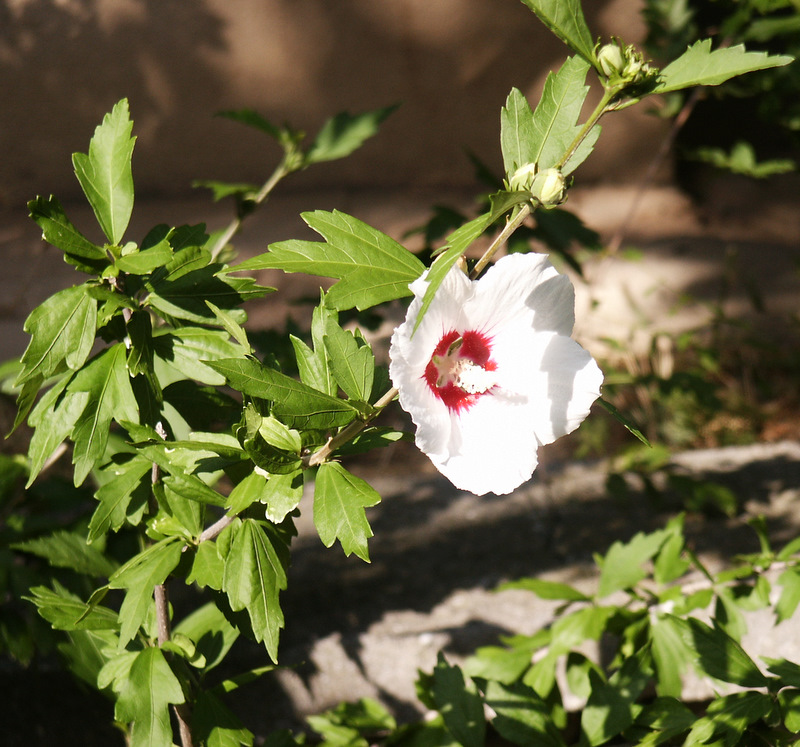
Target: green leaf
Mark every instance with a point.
(787, 671)
(282, 495)
(670, 656)
(185, 284)
(54, 417)
(192, 488)
(789, 700)
(339, 502)
(742, 160)
(544, 136)
(59, 231)
(622, 565)
(586, 624)
(140, 575)
(717, 655)
(456, 245)
(314, 365)
(546, 589)
(728, 717)
(227, 322)
(62, 333)
(789, 581)
(211, 632)
(629, 425)
(255, 574)
(221, 190)
(700, 66)
(215, 725)
(344, 133)
(189, 349)
(208, 566)
(522, 717)
(351, 360)
(500, 664)
(297, 405)
(65, 611)
(145, 696)
(670, 563)
(145, 261)
(249, 491)
(459, 703)
(610, 708)
(565, 19)
(105, 379)
(373, 437)
(252, 119)
(64, 549)
(105, 173)
(115, 494)
(668, 718)
(371, 266)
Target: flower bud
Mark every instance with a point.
(611, 60)
(623, 64)
(523, 177)
(549, 188)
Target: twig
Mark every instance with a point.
(215, 529)
(182, 711)
(650, 174)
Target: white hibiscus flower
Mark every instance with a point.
(491, 373)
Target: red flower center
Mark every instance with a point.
(459, 371)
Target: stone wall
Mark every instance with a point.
(449, 63)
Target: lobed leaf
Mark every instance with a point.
(147, 260)
(622, 565)
(110, 397)
(699, 65)
(105, 172)
(352, 364)
(371, 266)
(459, 703)
(255, 574)
(610, 708)
(717, 655)
(144, 698)
(521, 716)
(139, 576)
(544, 136)
(64, 549)
(295, 403)
(53, 418)
(345, 133)
(566, 20)
(339, 502)
(59, 231)
(62, 333)
(65, 611)
(115, 495)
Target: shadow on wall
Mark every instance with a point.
(450, 64)
(66, 62)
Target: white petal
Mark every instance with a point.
(558, 378)
(524, 285)
(497, 449)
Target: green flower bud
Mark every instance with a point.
(549, 188)
(611, 60)
(623, 64)
(523, 177)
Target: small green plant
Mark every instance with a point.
(650, 609)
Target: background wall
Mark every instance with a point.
(449, 63)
